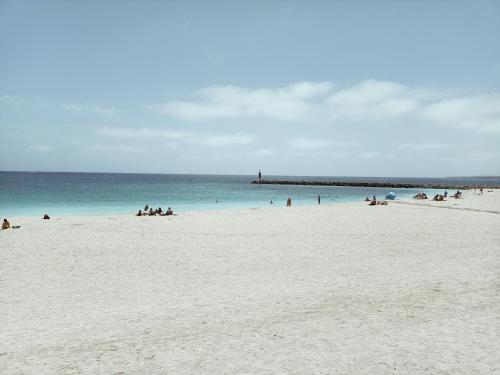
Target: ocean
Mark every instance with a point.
(60, 193)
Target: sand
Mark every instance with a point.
(345, 289)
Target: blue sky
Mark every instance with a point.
(386, 88)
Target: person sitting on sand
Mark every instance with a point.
(373, 202)
(151, 212)
(169, 212)
(6, 224)
(160, 211)
(367, 199)
(289, 202)
(139, 213)
(46, 217)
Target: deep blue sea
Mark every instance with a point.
(37, 193)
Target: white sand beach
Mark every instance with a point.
(344, 289)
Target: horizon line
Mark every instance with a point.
(226, 174)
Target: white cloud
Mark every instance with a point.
(172, 136)
(225, 140)
(369, 99)
(373, 99)
(307, 143)
(143, 133)
(289, 103)
(9, 99)
(424, 146)
(370, 102)
(113, 148)
(40, 103)
(481, 112)
(89, 109)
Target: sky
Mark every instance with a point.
(324, 88)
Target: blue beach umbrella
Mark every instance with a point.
(390, 196)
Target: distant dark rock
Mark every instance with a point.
(367, 184)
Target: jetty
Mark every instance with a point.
(391, 185)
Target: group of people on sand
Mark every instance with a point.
(375, 202)
(439, 197)
(442, 197)
(420, 196)
(149, 211)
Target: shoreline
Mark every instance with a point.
(234, 210)
(301, 204)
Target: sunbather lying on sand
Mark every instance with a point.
(374, 202)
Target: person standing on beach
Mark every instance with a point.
(289, 202)
(319, 199)
(260, 176)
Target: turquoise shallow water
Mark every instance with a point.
(36, 193)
